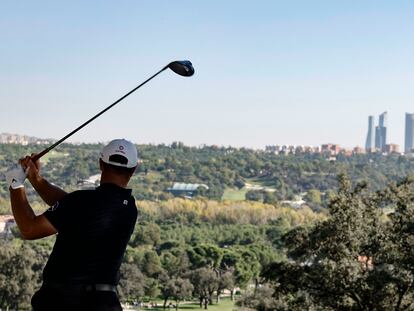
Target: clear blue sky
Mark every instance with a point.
(267, 72)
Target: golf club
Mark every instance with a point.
(183, 68)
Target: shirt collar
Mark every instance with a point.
(115, 188)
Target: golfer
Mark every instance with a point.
(93, 228)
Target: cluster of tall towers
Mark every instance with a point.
(377, 135)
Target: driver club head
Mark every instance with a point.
(182, 67)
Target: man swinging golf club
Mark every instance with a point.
(93, 226)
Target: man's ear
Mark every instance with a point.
(133, 172)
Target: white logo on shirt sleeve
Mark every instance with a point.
(53, 207)
(125, 202)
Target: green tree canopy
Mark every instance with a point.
(358, 259)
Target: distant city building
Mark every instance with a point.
(383, 121)
(409, 133)
(369, 143)
(186, 190)
(300, 149)
(392, 148)
(277, 149)
(310, 149)
(6, 138)
(330, 149)
(381, 132)
(91, 182)
(272, 149)
(358, 150)
(347, 152)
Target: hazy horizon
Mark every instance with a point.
(267, 73)
(189, 145)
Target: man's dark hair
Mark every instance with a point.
(119, 170)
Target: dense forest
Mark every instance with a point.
(180, 250)
(221, 168)
(350, 248)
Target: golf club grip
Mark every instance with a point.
(41, 154)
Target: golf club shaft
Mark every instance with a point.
(41, 154)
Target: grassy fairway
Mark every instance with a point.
(234, 194)
(224, 305)
(52, 154)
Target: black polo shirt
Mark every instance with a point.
(94, 227)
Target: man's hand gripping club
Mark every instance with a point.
(31, 226)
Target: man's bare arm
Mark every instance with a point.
(48, 192)
(31, 226)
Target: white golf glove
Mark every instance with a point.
(15, 177)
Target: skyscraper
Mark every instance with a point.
(369, 143)
(409, 132)
(381, 132)
(383, 126)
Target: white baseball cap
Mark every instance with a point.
(120, 152)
